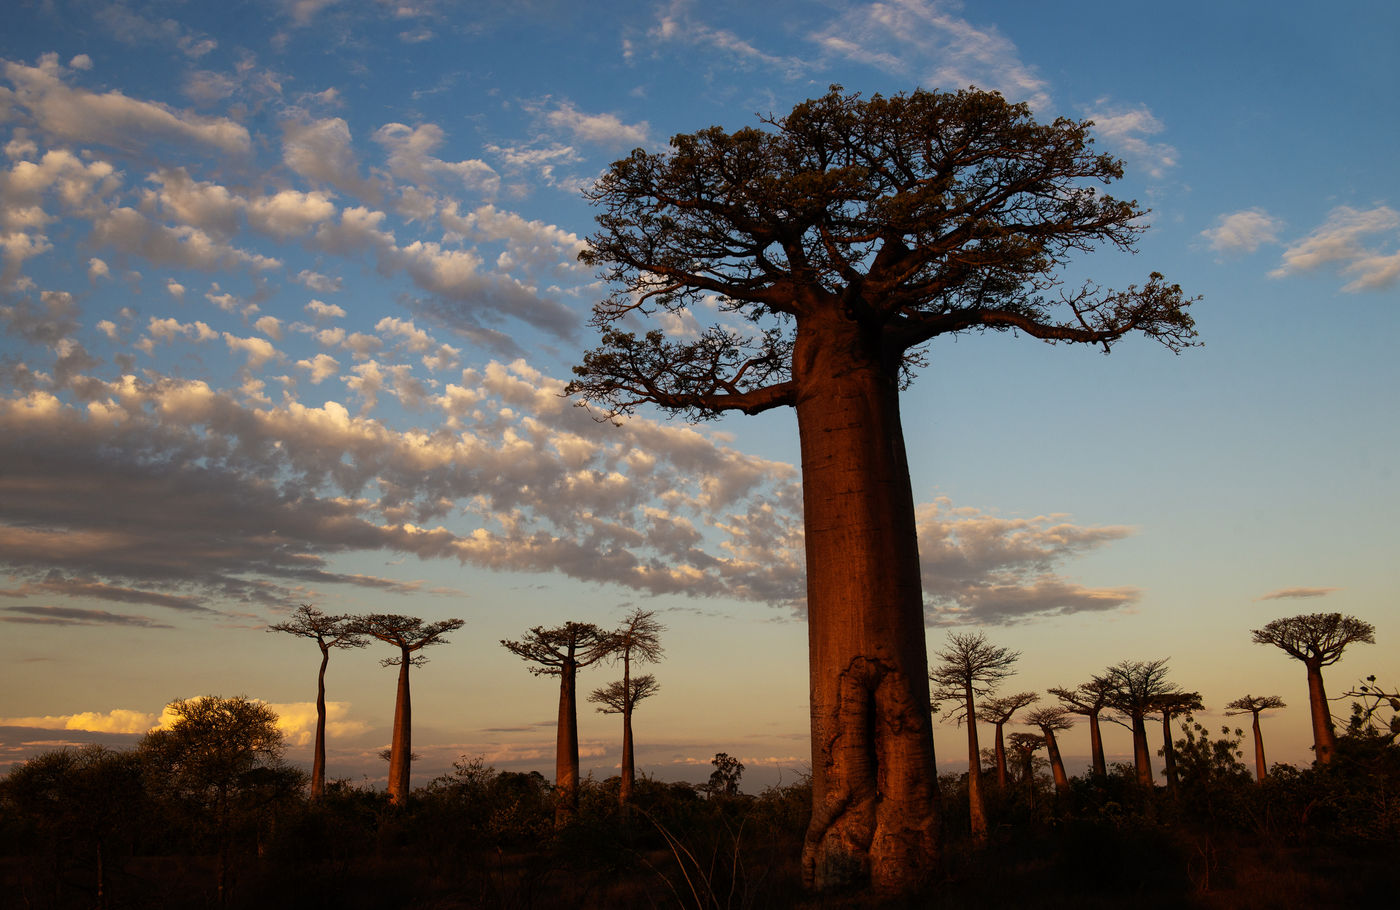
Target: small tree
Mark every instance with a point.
(969, 667)
(1051, 721)
(1253, 705)
(998, 712)
(637, 639)
(1134, 688)
(724, 780)
(1089, 700)
(410, 635)
(328, 632)
(1318, 640)
(1172, 705)
(562, 652)
(1025, 745)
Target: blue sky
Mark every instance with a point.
(289, 292)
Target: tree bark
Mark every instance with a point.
(1096, 746)
(1260, 767)
(624, 787)
(318, 760)
(1057, 765)
(1001, 759)
(1168, 753)
(566, 747)
(1142, 758)
(976, 800)
(874, 784)
(401, 749)
(1324, 736)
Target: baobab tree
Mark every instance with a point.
(998, 712)
(562, 652)
(969, 667)
(637, 639)
(1318, 640)
(1089, 699)
(1052, 720)
(1025, 746)
(1252, 705)
(852, 232)
(1134, 687)
(1169, 705)
(329, 632)
(410, 635)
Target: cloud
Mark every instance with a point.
(926, 41)
(1127, 129)
(118, 720)
(1296, 593)
(410, 158)
(1340, 242)
(676, 23)
(606, 130)
(72, 616)
(297, 721)
(1243, 232)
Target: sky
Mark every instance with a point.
(289, 293)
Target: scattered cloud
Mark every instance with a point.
(1296, 593)
(73, 616)
(1126, 129)
(1344, 242)
(117, 720)
(1243, 232)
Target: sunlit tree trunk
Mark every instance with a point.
(1057, 765)
(401, 749)
(976, 800)
(1142, 758)
(318, 760)
(873, 777)
(1260, 767)
(566, 748)
(1096, 747)
(1324, 736)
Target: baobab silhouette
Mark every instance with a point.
(1088, 700)
(329, 632)
(1052, 720)
(562, 652)
(409, 634)
(1134, 687)
(998, 712)
(1025, 746)
(1169, 705)
(1252, 705)
(969, 667)
(852, 232)
(637, 639)
(1318, 640)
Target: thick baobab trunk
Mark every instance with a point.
(1096, 747)
(976, 801)
(1324, 736)
(566, 748)
(1260, 768)
(1001, 759)
(874, 785)
(401, 749)
(1168, 753)
(1142, 758)
(318, 760)
(1057, 765)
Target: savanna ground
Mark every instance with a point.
(1314, 837)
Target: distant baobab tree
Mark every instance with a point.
(1025, 746)
(852, 232)
(969, 667)
(562, 652)
(328, 632)
(410, 635)
(1318, 640)
(1174, 704)
(1134, 686)
(639, 639)
(1088, 700)
(1052, 720)
(998, 712)
(1253, 705)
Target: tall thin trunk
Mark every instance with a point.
(976, 802)
(318, 760)
(1057, 765)
(624, 787)
(1142, 758)
(1324, 736)
(1260, 767)
(1096, 746)
(401, 750)
(874, 784)
(1001, 759)
(1168, 753)
(566, 748)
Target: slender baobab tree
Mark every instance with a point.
(1025, 746)
(1318, 640)
(998, 712)
(1052, 720)
(969, 667)
(850, 233)
(328, 632)
(562, 652)
(1134, 688)
(637, 639)
(1089, 699)
(1174, 704)
(410, 635)
(1253, 705)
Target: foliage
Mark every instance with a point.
(724, 780)
(1317, 639)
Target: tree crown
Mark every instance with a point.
(327, 631)
(615, 698)
(1250, 704)
(407, 633)
(562, 649)
(1317, 639)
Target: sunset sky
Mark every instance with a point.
(289, 292)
